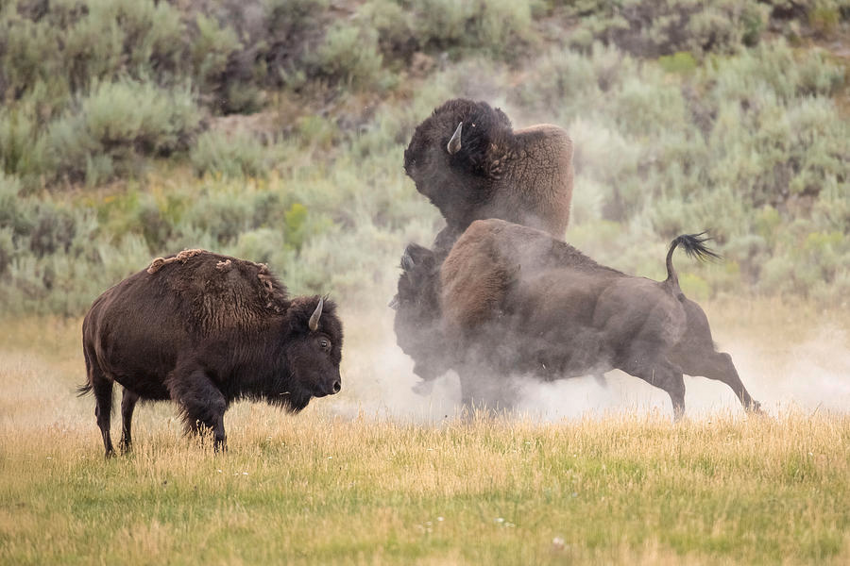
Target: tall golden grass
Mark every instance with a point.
(336, 485)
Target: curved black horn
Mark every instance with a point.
(407, 262)
(454, 143)
(314, 319)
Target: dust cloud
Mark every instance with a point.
(780, 372)
(812, 375)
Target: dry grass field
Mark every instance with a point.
(380, 476)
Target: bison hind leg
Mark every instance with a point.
(696, 355)
(719, 366)
(657, 370)
(102, 387)
(201, 403)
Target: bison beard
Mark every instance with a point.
(472, 165)
(204, 330)
(513, 300)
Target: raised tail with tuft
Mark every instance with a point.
(694, 246)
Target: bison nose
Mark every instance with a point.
(336, 387)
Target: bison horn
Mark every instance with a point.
(314, 319)
(454, 143)
(407, 263)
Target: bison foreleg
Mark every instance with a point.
(200, 401)
(128, 403)
(484, 388)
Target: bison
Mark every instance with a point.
(510, 299)
(469, 162)
(203, 330)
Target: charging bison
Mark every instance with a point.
(513, 300)
(204, 330)
(472, 165)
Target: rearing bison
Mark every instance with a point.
(472, 165)
(513, 300)
(204, 330)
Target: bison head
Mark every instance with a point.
(313, 350)
(449, 157)
(417, 319)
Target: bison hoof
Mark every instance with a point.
(755, 408)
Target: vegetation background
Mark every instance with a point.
(274, 129)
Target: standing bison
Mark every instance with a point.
(204, 330)
(472, 165)
(513, 300)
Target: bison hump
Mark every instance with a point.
(220, 291)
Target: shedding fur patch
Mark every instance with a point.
(265, 277)
(157, 264)
(267, 281)
(224, 265)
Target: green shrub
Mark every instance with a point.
(680, 62)
(7, 250)
(127, 36)
(504, 27)
(263, 245)
(53, 230)
(442, 23)
(220, 215)
(394, 26)
(646, 105)
(20, 153)
(14, 209)
(824, 19)
(237, 155)
(316, 131)
(110, 130)
(652, 29)
(28, 55)
(500, 27)
(349, 55)
(210, 53)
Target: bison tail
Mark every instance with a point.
(84, 390)
(694, 246)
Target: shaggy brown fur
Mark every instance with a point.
(523, 176)
(417, 327)
(204, 330)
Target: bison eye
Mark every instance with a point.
(324, 343)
